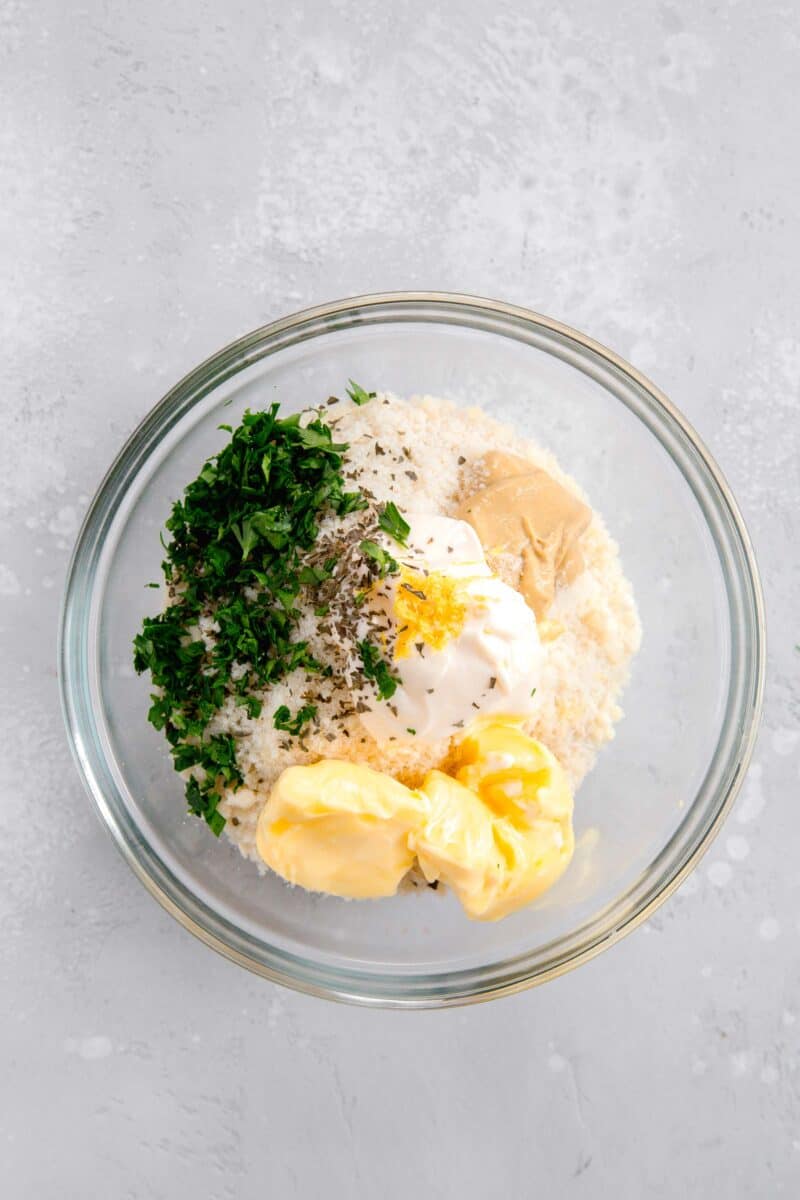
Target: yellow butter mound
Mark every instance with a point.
(498, 831)
(339, 827)
(521, 822)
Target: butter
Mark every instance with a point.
(456, 843)
(341, 828)
(513, 838)
(498, 831)
(522, 510)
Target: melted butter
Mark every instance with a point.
(522, 510)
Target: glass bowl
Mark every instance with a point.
(660, 790)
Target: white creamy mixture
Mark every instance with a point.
(491, 666)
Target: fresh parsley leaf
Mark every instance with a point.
(357, 393)
(394, 523)
(349, 502)
(314, 575)
(284, 720)
(203, 803)
(216, 759)
(386, 564)
(253, 705)
(246, 536)
(318, 437)
(377, 670)
(274, 525)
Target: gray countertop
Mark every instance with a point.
(173, 175)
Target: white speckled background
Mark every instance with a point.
(171, 176)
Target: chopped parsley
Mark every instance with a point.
(377, 670)
(234, 560)
(357, 393)
(284, 720)
(386, 564)
(217, 757)
(394, 523)
(316, 575)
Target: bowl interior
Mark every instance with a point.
(656, 788)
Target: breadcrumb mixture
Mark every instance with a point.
(425, 455)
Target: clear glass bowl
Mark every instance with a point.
(659, 792)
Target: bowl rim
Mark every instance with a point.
(356, 986)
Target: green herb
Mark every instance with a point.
(392, 522)
(350, 502)
(377, 670)
(155, 585)
(202, 802)
(217, 759)
(533, 693)
(357, 393)
(252, 704)
(318, 437)
(315, 575)
(284, 720)
(386, 564)
(238, 536)
(412, 732)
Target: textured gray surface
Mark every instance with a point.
(173, 175)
